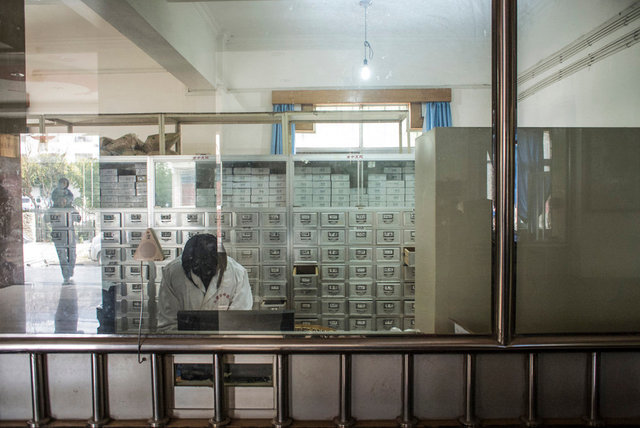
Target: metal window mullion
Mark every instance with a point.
(504, 126)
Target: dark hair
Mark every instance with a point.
(201, 256)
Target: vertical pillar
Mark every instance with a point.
(99, 391)
(530, 420)
(282, 418)
(13, 122)
(39, 391)
(504, 130)
(593, 381)
(344, 419)
(219, 411)
(286, 134)
(161, 136)
(406, 419)
(469, 419)
(159, 417)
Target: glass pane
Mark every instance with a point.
(221, 166)
(332, 136)
(578, 181)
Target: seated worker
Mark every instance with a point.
(202, 278)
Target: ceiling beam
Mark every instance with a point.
(362, 96)
(128, 21)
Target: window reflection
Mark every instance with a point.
(353, 269)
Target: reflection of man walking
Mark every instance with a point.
(63, 235)
(62, 190)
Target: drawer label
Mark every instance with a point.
(387, 218)
(361, 218)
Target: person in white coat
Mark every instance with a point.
(202, 279)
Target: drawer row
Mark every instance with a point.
(359, 324)
(301, 237)
(130, 323)
(359, 308)
(247, 256)
(350, 289)
(110, 219)
(309, 279)
(278, 290)
(306, 308)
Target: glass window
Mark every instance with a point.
(334, 231)
(578, 182)
(353, 136)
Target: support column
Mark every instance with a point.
(593, 418)
(406, 419)
(39, 391)
(99, 391)
(530, 420)
(344, 419)
(159, 418)
(220, 418)
(469, 419)
(281, 385)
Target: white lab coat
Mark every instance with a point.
(177, 292)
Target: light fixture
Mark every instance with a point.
(365, 71)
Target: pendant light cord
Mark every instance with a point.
(367, 46)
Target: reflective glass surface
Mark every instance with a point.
(578, 184)
(317, 214)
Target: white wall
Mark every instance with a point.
(471, 107)
(606, 94)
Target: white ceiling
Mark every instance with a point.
(292, 43)
(261, 24)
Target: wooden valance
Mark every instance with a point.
(413, 97)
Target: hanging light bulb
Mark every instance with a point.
(365, 71)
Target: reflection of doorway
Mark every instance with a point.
(45, 160)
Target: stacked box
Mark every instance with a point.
(123, 185)
(377, 190)
(321, 179)
(303, 189)
(340, 190)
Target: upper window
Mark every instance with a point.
(358, 137)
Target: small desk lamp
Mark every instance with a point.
(149, 250)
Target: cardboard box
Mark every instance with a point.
(242, 171)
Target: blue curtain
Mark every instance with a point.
(533, 186)
(436, 115)
(276, 132)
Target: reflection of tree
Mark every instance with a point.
(44, 170)
(163, 185)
